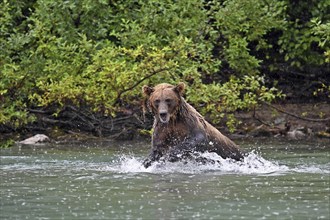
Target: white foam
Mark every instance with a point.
(252, 164)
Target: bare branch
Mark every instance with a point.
(297, 116)
(138, 83)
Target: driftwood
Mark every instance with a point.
(36, 139)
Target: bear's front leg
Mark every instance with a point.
(155, 155)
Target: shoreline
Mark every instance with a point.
(264, 122)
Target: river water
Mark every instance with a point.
(106, 180)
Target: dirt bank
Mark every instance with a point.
(293, 121)
(290, 121)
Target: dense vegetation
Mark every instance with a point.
(94, 56)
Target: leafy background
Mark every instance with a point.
(96, 55)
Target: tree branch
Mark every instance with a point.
(255, 116)
(296, 116)
(137, 83)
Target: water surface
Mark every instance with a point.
(278, 180)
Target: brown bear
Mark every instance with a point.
(179, 130)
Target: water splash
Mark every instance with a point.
(252, 164)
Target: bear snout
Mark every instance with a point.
(163, 116)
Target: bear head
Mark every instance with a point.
(164, 100)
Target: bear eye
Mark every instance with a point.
(168, 102)
(156, 102)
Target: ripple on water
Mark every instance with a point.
(100, 185)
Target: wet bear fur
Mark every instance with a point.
(179, 130)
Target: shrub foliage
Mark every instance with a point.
(98, 54)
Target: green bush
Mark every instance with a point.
(98, 54)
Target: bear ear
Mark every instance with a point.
(180, 88)
(147, 90)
